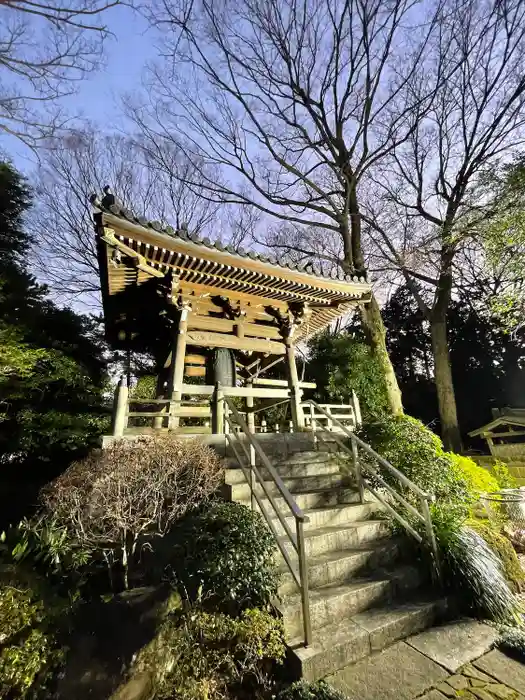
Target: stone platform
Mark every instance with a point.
(450, 661)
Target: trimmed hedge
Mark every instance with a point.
(225, 552)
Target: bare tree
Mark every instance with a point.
(438, 184)
(61, 220)
(46, 47)
(293, 102)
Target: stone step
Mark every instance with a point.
(310, 457)
(240, 490)
(316, 498)
(235, 475)
(340, 566)
(337, 601)
(339, 537)
(340, 514)
(346, 641)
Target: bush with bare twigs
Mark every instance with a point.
(118, 500)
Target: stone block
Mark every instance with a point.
(504, 669)
(455, 644)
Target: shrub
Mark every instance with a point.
(227, 551)
(478, 479)
(302, 690)
(30, 651)
(119, 499)
(341, 363)
(475, 572)
(512, 642)
(503, 476)
(417, 452)
(212, 655)
(502, 547)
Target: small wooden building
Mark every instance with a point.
(505, 434)
(206, 310)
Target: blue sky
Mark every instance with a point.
(98, 97)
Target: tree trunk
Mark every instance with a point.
(376, 335)
(444, 385)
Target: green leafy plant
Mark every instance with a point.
(226, 551)
(213, 655)
(30, 650)
(303, 690)
(503, 476)
(478, 479)
(416, 451)
(503, 548)
(512, 642)
(340, 363)
(476, 573)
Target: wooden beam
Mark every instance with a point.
(195, 359)
(218, 340)
(194, 371)
(225, 325)
(283, 382)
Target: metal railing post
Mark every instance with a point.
(120, 418)
(431, 536)
(357, 471)
(303, 577)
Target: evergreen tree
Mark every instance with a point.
(52, 367)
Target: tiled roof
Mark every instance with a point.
(111, 205)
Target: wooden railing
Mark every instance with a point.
(363, 470)
(165, 413)
(236, 428)
(349, 414)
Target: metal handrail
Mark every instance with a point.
(423, 515)
(253, 475)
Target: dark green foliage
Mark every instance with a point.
(215, 655)
(512, 642)
(52, 367)
(302, 690)
(340, 363)
(226, 552)
(417, 452)
(475, 572)
(487, 361)
(14, 201)
(31, 617)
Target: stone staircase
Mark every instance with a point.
(365, 593)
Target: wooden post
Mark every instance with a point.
(217, 413)
(250, 415)
(121, 408)
(357, 410)
(490, 443)
(295, 391)
(177, 366)
(329, 422)
(158, 421)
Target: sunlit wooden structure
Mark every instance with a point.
(193, 304)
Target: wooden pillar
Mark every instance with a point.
(293, 384)
(490, 443)
(217, 411)
(250, 415)
(160, 393)
(177, 366)
(120, 417)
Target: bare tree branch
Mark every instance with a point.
(46, 48)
